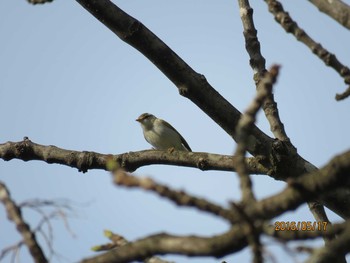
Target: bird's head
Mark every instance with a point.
(146, 120)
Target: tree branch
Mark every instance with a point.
(216, 246)
(27, 150)
(257, 63)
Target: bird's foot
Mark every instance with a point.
(170, 150)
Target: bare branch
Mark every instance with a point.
(216, 246)
(13, 248)
(257, 62)
(252, 44)
(343, 95)
(336, 9)
(15, 215)
(284, 19)
(26, 150)
(179, 197)
(317, 210)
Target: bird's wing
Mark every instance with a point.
(182, 138)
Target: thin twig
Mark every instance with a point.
(15, 215)
(285, 20)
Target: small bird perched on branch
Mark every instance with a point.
(160, 134)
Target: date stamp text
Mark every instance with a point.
(300, 226)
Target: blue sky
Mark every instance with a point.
(66, 80)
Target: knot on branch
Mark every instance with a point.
(24, 149)
(283, 159)
(183, 90)
(344, 71)
(85, 161)
(299, 33)
(134, 27)
(202, 164)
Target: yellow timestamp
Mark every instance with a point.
(300, 226)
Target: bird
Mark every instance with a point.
(160, 134)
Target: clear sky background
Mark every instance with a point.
(66, 80)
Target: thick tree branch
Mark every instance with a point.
(27, 150)
(284, 19)
(14, 214)
(336, 9)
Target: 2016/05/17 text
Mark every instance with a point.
(300, 226)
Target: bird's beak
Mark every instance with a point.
(138, 119)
